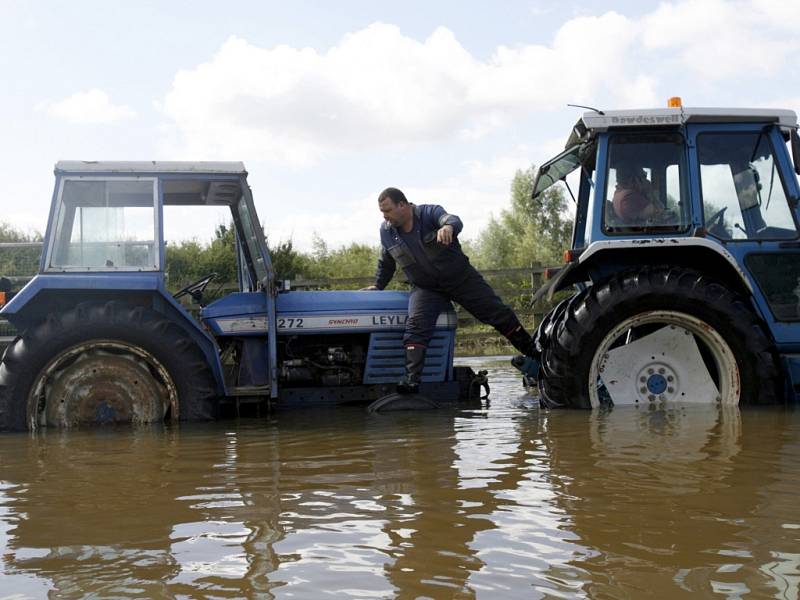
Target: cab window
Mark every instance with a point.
(742, 189)
(645, 187)
(105, 224)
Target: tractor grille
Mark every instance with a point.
(386, 358)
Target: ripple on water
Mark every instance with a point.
(501, 500)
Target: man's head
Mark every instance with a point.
(630, 176)
(395, 207)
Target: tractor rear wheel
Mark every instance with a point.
(103, 363)
(658, 334)
(541, 337)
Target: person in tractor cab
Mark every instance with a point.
(634, 200)
(423, 240)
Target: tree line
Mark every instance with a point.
(529, 232)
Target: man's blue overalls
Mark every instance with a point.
(439, 274)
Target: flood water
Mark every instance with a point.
(498, 501)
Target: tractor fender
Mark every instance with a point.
(47, 293)
(604, 258)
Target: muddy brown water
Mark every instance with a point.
(497, 501)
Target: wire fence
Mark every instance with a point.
(516, 286)
(19, 262)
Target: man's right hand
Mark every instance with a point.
(445, 235)
(369, 288)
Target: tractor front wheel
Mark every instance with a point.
(658, 334)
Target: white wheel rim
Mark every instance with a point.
(665, 365)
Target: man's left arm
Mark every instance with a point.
(449, 225)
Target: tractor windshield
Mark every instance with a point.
(105, 224)
(645, 185)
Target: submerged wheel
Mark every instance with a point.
(541, 337)
(543, 340)
(100, 364)
(658, 334)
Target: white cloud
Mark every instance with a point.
(478, 190)
(377, 87)
(720, 39)
(91, 107)
(359, 220)
(354, 220)
(497, 172)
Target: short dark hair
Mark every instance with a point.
(395, 195)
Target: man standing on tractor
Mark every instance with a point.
(423, 240)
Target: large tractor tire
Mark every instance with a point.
(104, 363)
(541, 337)
(657, 334)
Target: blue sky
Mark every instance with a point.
(329, 102)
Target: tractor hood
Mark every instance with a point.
(335, 301)
(315, 312)
(347, 312)
(306, 303)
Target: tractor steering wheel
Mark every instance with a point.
(716, 219)
(196, 288)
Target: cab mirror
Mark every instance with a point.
(795, 139)
(748, 188)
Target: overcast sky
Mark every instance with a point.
(328, 102)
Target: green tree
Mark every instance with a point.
(19, 262)
(355, 260)
(533, 231)
(190, 260)
(220, 257)
(287, 262)
(9, 234)
(183, 261)
(351, 261)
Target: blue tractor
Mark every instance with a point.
(103, 341)
(686, 260)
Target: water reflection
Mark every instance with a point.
(495, 501)
(683, 499)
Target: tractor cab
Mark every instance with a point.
(680, 172)
(107, 217)
(671, 201)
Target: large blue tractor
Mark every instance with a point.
(686, 259)
(103, 341)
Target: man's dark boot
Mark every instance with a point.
(522, 341)
(415, 361)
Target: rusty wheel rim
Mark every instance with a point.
(101, 382)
